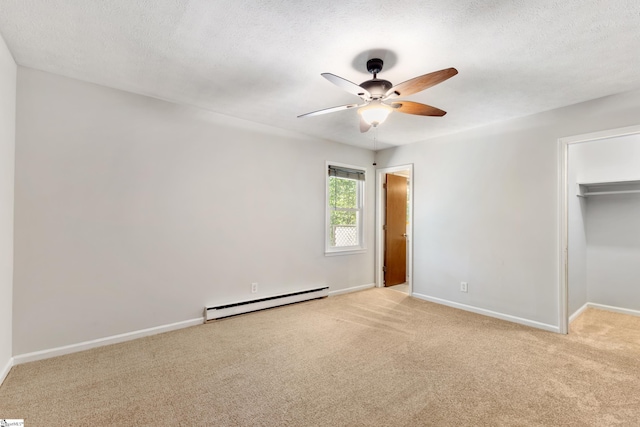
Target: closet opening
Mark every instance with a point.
(600, 229)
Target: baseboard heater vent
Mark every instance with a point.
(213, 313)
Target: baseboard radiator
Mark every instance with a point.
(213, 313)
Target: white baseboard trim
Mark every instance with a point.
(477, 310)
(5, 370)
(578, 312)
(351, 289)
(614, 309)
(74, 348)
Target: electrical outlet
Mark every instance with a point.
(254, 288)
(464, 287)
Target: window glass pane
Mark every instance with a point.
(344, 211)
(343, 229)
(343, 193)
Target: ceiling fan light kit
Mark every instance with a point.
(375, 113)
(378, 93)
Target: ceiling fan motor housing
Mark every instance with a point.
(376, 87)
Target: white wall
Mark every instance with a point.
(612, 223)
(133, 212)
(7, 157)
(486, 208)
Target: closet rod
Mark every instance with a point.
(600, 193)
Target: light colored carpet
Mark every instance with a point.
(404, 287)
(372, 358)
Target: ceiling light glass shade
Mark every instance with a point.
(375, 113)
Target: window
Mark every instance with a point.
(345, 212)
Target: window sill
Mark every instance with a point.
(345, 252)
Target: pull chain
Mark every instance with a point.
(375, 142)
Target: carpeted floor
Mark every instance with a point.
(372, 358)
(400, 288)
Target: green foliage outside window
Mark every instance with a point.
(343, 216)
(343, 194)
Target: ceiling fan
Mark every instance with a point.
(379, 95)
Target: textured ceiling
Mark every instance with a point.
(261, 60)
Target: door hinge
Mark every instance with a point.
(384, 268)
(384, 185)
(384, 227)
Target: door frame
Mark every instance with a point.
(563, 228)
(380, 216)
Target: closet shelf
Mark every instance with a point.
(589, 189)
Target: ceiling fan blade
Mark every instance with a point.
(420, 83)
(347, 85)
(364, 126)
(330, 110)
(410, 107)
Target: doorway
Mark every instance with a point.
(394, 242)
(590, 187)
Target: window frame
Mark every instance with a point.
(360, 197)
